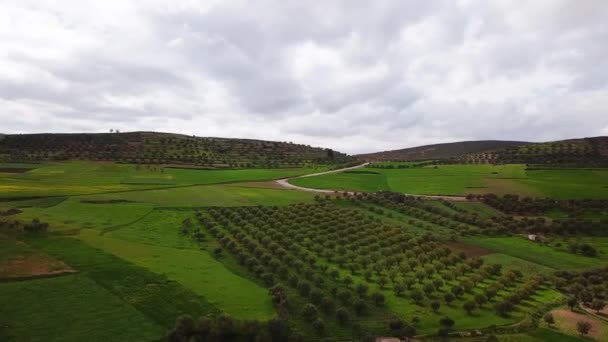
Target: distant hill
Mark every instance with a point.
(584, 151)
(440, 151)
(163, 148)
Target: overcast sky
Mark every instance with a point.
(356, 76)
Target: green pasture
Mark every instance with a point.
(509, 262)
(196, 270)
(73, 213)
(160, 227)
(539, 335)
(465, 179)
(443, 179)
(70, 308)
(522, 248)
(80, 177)
(153, 294)
(209, 195)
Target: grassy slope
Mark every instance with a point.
(211, 195)
(534, 252)
(74, 178)
(152, 294)
(195, 269)
(72, 213)
(70, 308)
(464, 179)
(512, 263)
(539, 335)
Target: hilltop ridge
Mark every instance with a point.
(164, 148)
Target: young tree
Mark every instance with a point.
(310, 312)
(449, 298)
(480, 299)
(360, 306)
(548, 318)
(417, 296)
(583, 327)
(342, 315)
(597, 305)
(469, 306)
(398, 288)
(457, 291)
(435, 305)
(572, 302)
(319, 326)
(361, 290)
(378, 298)
(409, 282)
(447, 322)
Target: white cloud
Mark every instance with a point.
(357, 76)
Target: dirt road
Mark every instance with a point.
(285, 183)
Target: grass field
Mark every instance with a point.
(118, 226)
(512, 263)
(209, 195)
(196, 270)
(73, 213)
(160, 227)
(539, 335)
(70, 308)
(77, 178)
(534, 252)
(465, 179)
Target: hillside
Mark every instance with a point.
(586, 151)
(163, 148)
(439, 151)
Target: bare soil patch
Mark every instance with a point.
(31, 264)
(470, 251)
(14, 170)
(566, 321)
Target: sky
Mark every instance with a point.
(356, 76)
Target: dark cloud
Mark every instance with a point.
(356, 76)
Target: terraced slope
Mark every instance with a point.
(163, 148)
(587, 151)
(439, 151)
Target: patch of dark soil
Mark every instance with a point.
(470, 251)
(10, 212)
(14, 170)
(114, 201)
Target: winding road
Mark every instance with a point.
(285, 184)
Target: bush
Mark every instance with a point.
(310, 312)
(342, 315)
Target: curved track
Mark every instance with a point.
(284, 182)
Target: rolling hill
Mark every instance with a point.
(163, 148)
(439, 151)
(584, 151)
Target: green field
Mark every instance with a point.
(522, 248)
(196, 270)
(70, 308)
(466, 179)
(127, 270)
(77, 178)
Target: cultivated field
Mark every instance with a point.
(469, 179)
(116, 252)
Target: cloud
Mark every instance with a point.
(356, 76)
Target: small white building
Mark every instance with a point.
(532, 237)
